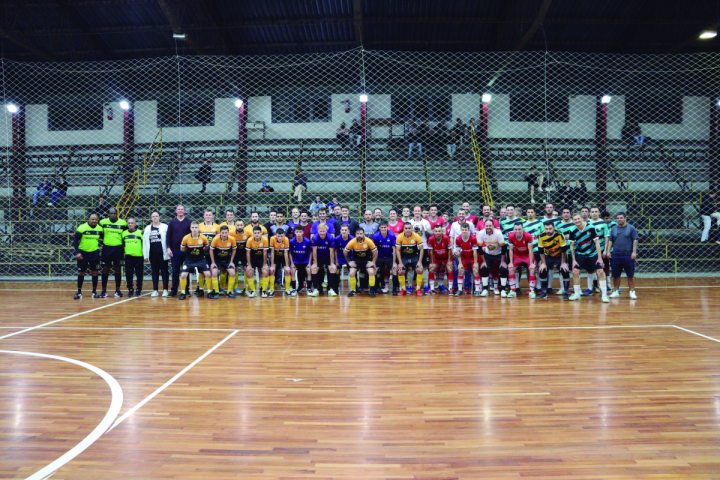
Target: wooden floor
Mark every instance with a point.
(362, 388)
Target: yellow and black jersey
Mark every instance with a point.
(231, 228)
(209, 230)
(361, 251)
(195, 247)
(240, 240)
(222, 250)
(279, 247)
(552, 245)
(249, 230)
(409, 246)
(255, 248)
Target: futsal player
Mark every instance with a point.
(223, 249)
(194, 245)
(552, 246)
(209, 229)
(384, 241)
(586, 255)
(300, 250)
(409, 255)
(341, 240)
(520, 249)
(240, 255)
(323, 261)
(112, 250)
(256, 250)
(363, 254)
(86, 246)
(279, 262)
(440, 260)
(492, 243)
(466, 252)
(132, 239)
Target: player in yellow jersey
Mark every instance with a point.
(364, 256)
(209, 229)
(230, 222)
(194, 245)
(256, 250)
(222, 260)
(409, 252)
(279, 262)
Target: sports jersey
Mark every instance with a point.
(231, 228)
(209, 230)
(240, 240)
(552, 245)
(385, 245)
(566, 229)
(456, 230)
(409, 246)
(480, 224)
(112, 231)
(440, 248)
(194, 247)
(87, 238)
(339, 246)
(362, 251)
(300, 251)
(584, 241)
(490, 242)
(602, 230)
(132, 241)
(422, 227)
(248, 230)
(222, 250)
(508, 224)
(397, 228)
(521, 246)
(466, 248)
(322, 246)
(279, 247)
(274, 228)
(256, 248)
(534, 228)
(434, 223)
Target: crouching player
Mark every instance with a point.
(440, 261)
(385, 241)
(552, 255)
(492, 242)
(222, 261)
(468, 260)
(194, 245)
(256, 249)
(520, 244)
(279, 263)
(300, 252)
(410, 251)
(363, 258)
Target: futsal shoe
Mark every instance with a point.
(165, 294)
(633, 296)
(118, 294)
(263, 294)
(575, 296)
(96, 295)
(605, 299)
(102, 295)
(331, 293)
(587, 292)
(511, 294)
(212, 295)
(371, 292)
(484, 293)
(249, 294)
(403, 293)
(503, 294)
(532, 294)
(313, 293)
(615, 294)
(477, 293)
(441, 289)
(77, 296)
(542, 294)
(131, 293)
(230, 295)
(352, 293)
(181, 296)
(419, 292)
(155, 293)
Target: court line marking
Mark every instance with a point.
(102, 427)
(78, 314)
(165, 385)
(696, 333)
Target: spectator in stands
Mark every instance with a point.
(299, 185)
(177, 229)
(316, 205)
(580, 193)
(631, 134)
(204, 174)
(101, 208)
(60, 191)
(331, 204)
(266, 188)
(423, 136)
(457, 134)
(534, 180)
(355, 133)
(343, 136)
(42, 190)
(709, 209)
(413, 139)
(566, 195)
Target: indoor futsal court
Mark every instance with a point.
(359, 240)
(361, 388)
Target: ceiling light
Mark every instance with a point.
(363, 98)
(486, 98)
(179, 36)
(707, 34)
(238, 103)
(12, 108)
(124, 104)
(605, 99)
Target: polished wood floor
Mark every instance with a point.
(362, 388)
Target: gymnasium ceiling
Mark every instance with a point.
(114, 29)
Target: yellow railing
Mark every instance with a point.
(483, 180)
(139, 178)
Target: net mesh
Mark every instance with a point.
(438, 128)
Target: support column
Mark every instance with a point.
(601, 153)
(128, 149)
(241, 158)
(18, 164)
(714, 150)
(363, 152)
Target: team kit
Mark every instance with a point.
(420, 254)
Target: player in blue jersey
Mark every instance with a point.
(385, 241)
(340, 241)
(323, 260)
(300, 255)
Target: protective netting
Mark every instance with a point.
(437, 128)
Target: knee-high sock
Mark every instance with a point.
(477, 282)
(271, 281)
(431, 280)
(201, 281)
(105, 276)
(371, 281)
(418, 280)
(250, 282)
(532, 282)
(288, 282)
(591, 280)
(264, 283)
(511, 279)
(603, 286)
(94, 279)
(183, 284)
(353, 283)
(232, 282)
(402, 280)
(224, 280)
(215, 284)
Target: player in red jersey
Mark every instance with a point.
(395, 225)
(433, 218)
(439, 246)
(520, 244)
(466, 250)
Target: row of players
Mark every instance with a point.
(220, 252)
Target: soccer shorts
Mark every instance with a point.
(256, 261)
(426, 259)
(520, 260)
(385, 264)
(112, 255)
(222, 263)
(191, 264)
(241, 258)
(553, 262)
(360, 264)
(467, 264)
(279, 263)
(410, 263)
(90, 261)
(492, 262)
(620, 263)
(589, 264)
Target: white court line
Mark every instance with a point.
(165, 385)
(697, 333)
(28, 329)
(102, 427)
(169, 329)
(671, 287)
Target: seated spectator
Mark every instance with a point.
(332, 203)
(204, 174)
(266, 188)
(316, 205)
(101, 208)
(534, 181)
(580, 193)
(60, 191)
(343, 135)
(709, 209)
(355, 133)
(566, 195)
(42, 190)
(299, 185)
